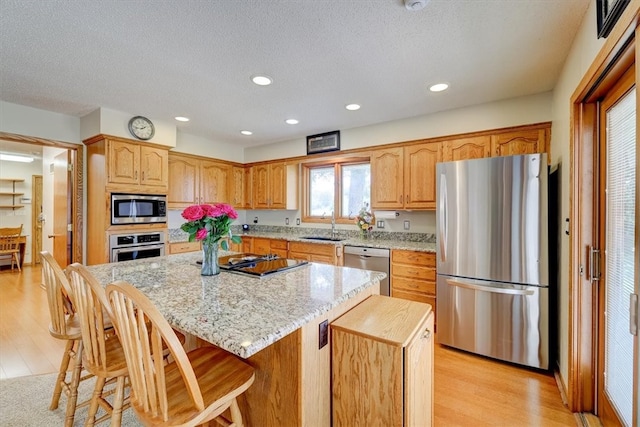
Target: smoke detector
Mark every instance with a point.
(415, 4)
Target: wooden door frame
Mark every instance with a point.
(36, 199)
(616, 55)
(77, 156)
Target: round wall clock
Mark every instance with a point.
(141, 128)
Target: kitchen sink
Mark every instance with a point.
(330, 239)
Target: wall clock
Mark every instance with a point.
(141, 128)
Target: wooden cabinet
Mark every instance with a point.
(316, 252)
(240, 193)
(182, 247)
(129, 163)
(194, 180)
(275, 186)
(264, 246)
(9, 193)
(520, 142)
(475, 147)
(404, 177)
(382, 364)
(413, 276)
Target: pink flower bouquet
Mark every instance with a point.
(210, 223)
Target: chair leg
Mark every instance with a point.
(17, 262)
(95, 399)
(236, 415)
(118, 399)
(72, 400)
(62, 375)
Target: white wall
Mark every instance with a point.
(15, 118)
(585, 47)
(222, 150)
(510, 112)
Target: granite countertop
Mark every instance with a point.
(238, 313)
(426, 245)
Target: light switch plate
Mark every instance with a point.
(407, 224)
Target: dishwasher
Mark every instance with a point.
(369, 259)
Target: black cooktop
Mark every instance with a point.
(257, 265)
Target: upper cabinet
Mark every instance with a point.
(275, 186)
(475, 147)
(404, 177)
(119, 164)
(241, 187)
(197, 180)
(520, 142)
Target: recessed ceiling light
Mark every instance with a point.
(352, 107)
(291, 121)
(246, 132)
(261, 80)
(439, 87)
(182, 119)
(16, 158)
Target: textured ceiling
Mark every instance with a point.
(195, 58)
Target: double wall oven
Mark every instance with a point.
(132, 210)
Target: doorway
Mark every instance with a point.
(74, 195)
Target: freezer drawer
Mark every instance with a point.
(504, 321)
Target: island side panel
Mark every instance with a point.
(316, 364)
(292, 386)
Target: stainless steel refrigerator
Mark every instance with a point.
(492, 257)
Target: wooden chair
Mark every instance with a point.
(102, 355)
(64, 325)
(194, 388)
(10, 245)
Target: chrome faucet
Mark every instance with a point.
(333, 225)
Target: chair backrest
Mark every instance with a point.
(10, 239)
(142, 331)
(59, 295)
(91, 306)
(11, 231)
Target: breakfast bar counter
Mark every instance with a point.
(275, 322)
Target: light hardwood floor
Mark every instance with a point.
(469, 390)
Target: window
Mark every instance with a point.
(336, 188)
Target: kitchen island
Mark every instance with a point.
(273, 322)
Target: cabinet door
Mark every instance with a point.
(418, 381)
(183, 182)
(238, 187)
(154, 164)
(261, 246)
(214, 182)
(466, 148)
(387, 182)
(124, 162)
(277, 186)
(420, 175)
(261, 187)
(519, 142)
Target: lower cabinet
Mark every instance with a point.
(413, 276)
(264, 246)
(314, 252)
(382, 364)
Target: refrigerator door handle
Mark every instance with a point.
(443, 217)
(469, 285)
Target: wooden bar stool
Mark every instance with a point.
(64, 326)
(194, 388)
(103, 355)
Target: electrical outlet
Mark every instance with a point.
(407, 224)
(297, 221)
(323, 334)
(255, 220)
(380, 223)
(286, 221)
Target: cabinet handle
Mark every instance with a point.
(143, 175)
(427, 334)
(136, 175)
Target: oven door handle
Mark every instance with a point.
(136, 248)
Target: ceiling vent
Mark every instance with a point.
(415, 4)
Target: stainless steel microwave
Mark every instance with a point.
(138, 208)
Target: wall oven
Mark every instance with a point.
(128, 247)
(138, 208)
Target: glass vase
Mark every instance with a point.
(210, 265)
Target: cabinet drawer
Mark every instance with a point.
(422, 286)
(178, 248)
(414, 272)
(279, 244)
(426, 259)
(313, 248)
